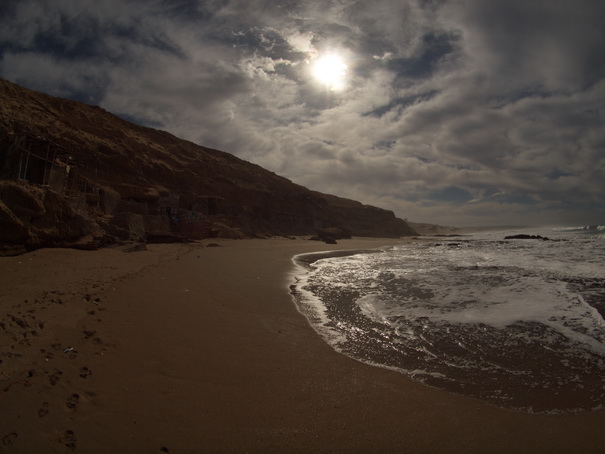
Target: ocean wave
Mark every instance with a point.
(582, 228)
(516, 324)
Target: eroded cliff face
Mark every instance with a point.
(66, 160)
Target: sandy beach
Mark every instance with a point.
(186, 348)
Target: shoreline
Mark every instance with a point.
(476, 358)
(308, 258)
(186, 348)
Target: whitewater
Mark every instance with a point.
(517, 323)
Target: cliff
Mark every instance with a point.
(71, 173)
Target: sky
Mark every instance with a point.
(451, 112)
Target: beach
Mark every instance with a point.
(186, 348)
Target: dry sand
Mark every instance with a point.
(194, 349)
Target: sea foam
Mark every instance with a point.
(517, 323)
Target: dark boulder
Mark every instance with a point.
(526, 237)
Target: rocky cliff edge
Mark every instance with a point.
(75, 175)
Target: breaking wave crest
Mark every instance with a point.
(518, 324)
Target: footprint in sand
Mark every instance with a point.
(54, 378)
(72, 401)
(85, 372)
(9, 439)
(43, 411)
(69, 439)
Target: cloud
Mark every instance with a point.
(555, 45)
(460, 111)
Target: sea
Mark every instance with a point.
(516, 323)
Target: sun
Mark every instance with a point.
(330, 70)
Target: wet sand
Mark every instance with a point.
(188, 348)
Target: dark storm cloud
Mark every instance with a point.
(460, 112)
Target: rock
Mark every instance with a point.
(132, 206)
(128, 226)
(220, 230)
(138, 247)
(24, 201)
(156, 225)
(526, 237)
(333, 233)
(12, 229)
(12, 250)
(108, 200)
(38, 216)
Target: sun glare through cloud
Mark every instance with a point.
(425, 108)
(331, 71)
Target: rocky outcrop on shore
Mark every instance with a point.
(524, 236)
(74, 174)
